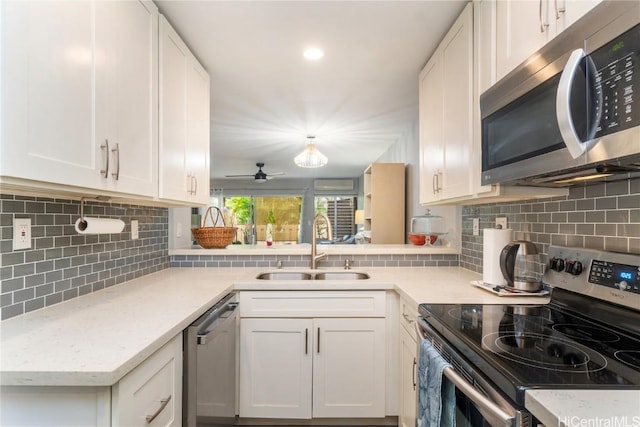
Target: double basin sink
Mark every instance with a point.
(324, 275)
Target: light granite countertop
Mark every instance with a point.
(94, 340)
(304, 249)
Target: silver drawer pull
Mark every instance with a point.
(163, 404)
(408, 318)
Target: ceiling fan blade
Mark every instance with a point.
(239, 176)
(275, 173)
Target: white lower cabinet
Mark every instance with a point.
(409, 366)
(131, 402)
(308, 364)
(151, 394)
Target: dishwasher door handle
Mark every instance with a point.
(231, 318)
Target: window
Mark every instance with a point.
(341, 213)
(252, 214)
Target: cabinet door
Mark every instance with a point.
(566, 12)
(184, 121)
(457, 79)
(484, 40)
(79, 75)
(431, 129)
(173, 107)
(197, 147)
(523, 28)
(48, 97)
(275, 368)
(151, 394)
(408, 378)
(126, 93)
(349, 368)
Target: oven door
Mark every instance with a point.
(478, 404)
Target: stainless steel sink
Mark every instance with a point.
(341, 275)
(325, 275)
(285, 275)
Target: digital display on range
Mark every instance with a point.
(626, 275)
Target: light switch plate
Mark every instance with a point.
(21, 233)
(476, 226)
(502, 222)
(134, 229)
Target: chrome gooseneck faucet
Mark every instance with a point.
(315, 257)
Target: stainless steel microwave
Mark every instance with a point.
(571, 111)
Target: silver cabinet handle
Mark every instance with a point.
(116, 156)
(563, 107)
(105, 149)
(408, 318)
(543, 25)
(559, 10)
(434, 183)
(163, 404)
(306, 340)
(195, 184)
(318, 340)
(415, 373)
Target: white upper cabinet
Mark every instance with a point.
(524, 26)
(75, 76)
(184, 121)
(446, 85)
(127, 94)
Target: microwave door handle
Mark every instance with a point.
(563, 110)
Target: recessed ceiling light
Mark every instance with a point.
(313, 53)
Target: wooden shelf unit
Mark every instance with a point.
(384, 202)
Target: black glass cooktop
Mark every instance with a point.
(557, 345)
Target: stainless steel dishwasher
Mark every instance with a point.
(209, 389)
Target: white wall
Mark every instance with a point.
(407, 150)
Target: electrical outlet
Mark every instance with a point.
(501, 222)
(135, 234)
(476, 226)
(21, 233)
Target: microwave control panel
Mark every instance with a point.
(617, 83)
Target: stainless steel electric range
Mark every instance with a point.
(586, 337)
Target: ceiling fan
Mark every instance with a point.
(259, 176)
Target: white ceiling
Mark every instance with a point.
(266, 98)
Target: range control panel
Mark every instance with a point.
(615, 275)
(610, 276)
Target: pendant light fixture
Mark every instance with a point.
(310, 157)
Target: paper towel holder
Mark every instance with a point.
(83, 224)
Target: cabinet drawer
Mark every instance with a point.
(152, 389)
(408, 316)
(312, 304)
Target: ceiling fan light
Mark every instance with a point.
(310, 157)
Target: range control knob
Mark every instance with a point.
(573, 267)
(556, 264)
(577, 268)
(623, 286)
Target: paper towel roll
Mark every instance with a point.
(494, 240)
(89, 225)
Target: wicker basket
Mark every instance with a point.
(214, 237)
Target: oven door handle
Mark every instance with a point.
(492, 412)
(563, 107)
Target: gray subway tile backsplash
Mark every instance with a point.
(62, 264)
(600, 216)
